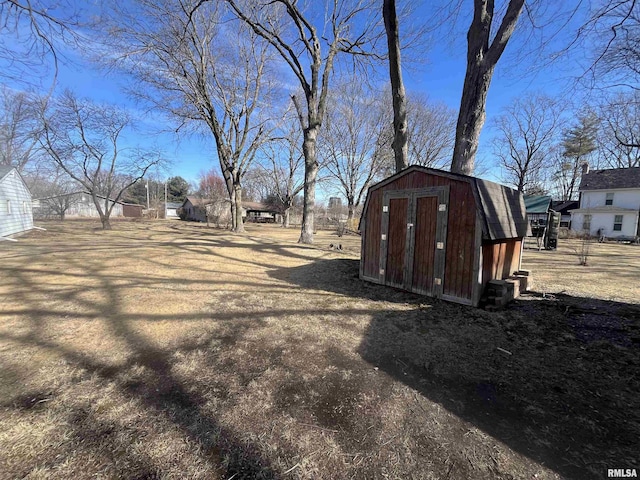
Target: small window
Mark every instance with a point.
(617, 223)
(609, 199)
(8, 207)
(586, 223)
(25, 207)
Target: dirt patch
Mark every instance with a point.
(169, 350)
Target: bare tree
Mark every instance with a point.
(526, 134)
(400, 123)
(282, 168)
(212, 188)
(619, 133)
(56, 194)
(31, 33)
(354, 125)
(85, 141)
(431, 132)
(309, 42)
(485, 47)
(19, 128)
(613, 35)
(201, 70)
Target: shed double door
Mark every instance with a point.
(414, 227)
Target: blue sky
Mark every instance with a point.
(440, 77)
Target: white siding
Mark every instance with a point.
(13, 191)
(81, 206)
(604, 221)
(623, 198)
(85, 207)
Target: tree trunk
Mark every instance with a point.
(285, 217)
(237, 220)
(106, 225)
(310, 174)
(482, 56)
(471, 118)
(233, 211)
(400, 129)
(351, 209)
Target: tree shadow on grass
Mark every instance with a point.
(552, 377)
(159, 390)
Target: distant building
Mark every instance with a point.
(335, 202)
(564, 207)
(609, 203)
(171, 209)
(195, 209)
(78, 205)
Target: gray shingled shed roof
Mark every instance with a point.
(612, 178)
(501, 208)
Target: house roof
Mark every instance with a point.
(537, 203)
(255, 206)
(196, 201)
(611, 178)
(563, 206)
(501, 208)
(6, 169)
(174, 204)
(258, 207)
(77, 192)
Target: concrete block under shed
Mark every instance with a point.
(526, 280)
(499, 293)
(515, 285)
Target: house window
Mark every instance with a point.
(8, 207)
(586, 223)
(609, 199)
(617, 223)
(25, 208)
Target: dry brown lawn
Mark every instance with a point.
(170, 350)
(612, 271)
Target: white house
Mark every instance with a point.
(171, 209)
(16, 214)
(609, 203)
(75, 205)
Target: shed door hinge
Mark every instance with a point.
(437, 281)
(440, 245)
(384, 236)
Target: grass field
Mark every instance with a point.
(169, 350)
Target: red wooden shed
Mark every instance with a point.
(441, 234)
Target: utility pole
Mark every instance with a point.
(147, 187)
(165, 199)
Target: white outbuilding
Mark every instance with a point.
(16, 212)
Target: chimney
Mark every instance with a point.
(585, 168)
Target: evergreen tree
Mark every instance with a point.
(578, 142)
(177, 189)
